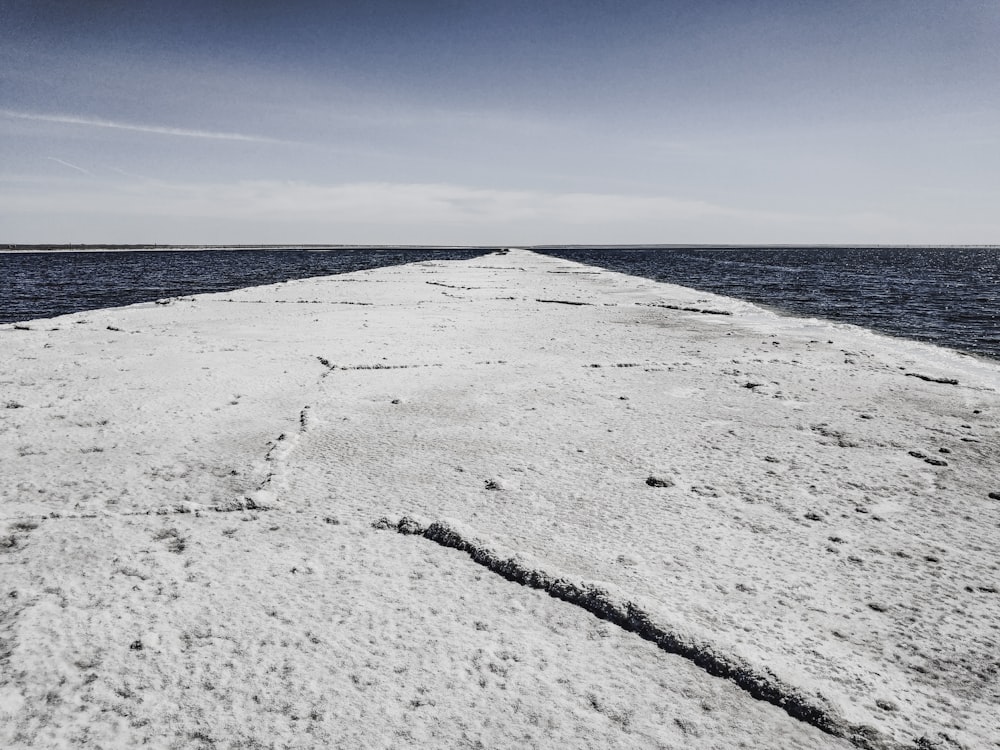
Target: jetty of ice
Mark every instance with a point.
(505, 502)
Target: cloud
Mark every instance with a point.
(373, 212)
(267, 211)
(67, 164)
(370, 202)
(154, 129)
(409, 203)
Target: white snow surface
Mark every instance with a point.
(188, 490)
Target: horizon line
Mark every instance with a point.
(13, 247)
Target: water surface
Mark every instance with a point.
(41, 285)
(943, 295)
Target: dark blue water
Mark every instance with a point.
(945, 296)
(41, 285)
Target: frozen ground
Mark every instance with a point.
(189, 490)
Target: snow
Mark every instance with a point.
(188, 492)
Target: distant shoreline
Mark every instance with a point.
(105, 248)
(10, 249)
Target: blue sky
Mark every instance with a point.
(454, 122)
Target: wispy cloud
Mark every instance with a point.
(71, 166)
(93, 122)
(431, 213)
(131, 175)
(426, 204)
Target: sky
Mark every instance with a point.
(453, 122)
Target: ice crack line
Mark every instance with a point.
(566, 302)
(929, 379)
(295, 302)
(23, 523)
(332, 367)
(276, 460)
(451, 286)
(761, 684)
(702, 310)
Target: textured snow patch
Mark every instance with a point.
(801, 533)
(610, 605)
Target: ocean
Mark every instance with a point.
(42, 285)
(949, 296)
(945, 296)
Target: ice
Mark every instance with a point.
(189, 553)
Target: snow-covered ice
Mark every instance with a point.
(188, 492)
